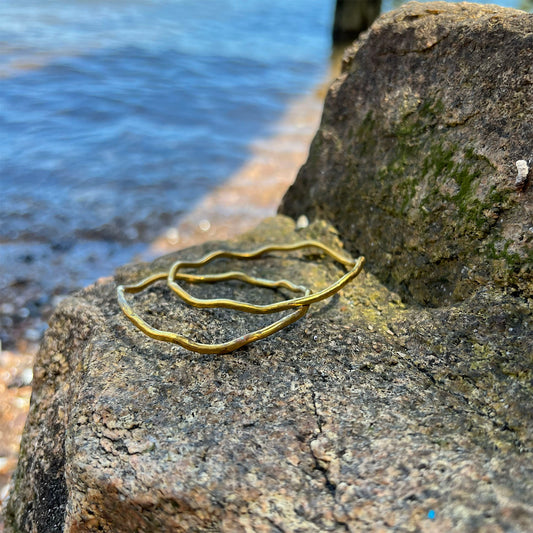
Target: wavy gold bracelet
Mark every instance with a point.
(301, 303)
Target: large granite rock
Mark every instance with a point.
(371, 413)
(415, 158)
(364, 415)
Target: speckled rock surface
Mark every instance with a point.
(415, 158)
(366, 415)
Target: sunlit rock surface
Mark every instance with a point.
(365, 414)
(375, 411)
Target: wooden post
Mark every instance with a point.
(352, 17)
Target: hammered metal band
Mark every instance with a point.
(300, 303)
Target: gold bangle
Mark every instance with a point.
(301, 303)
(174, 273)
(194, 346)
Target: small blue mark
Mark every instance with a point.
(431, 514)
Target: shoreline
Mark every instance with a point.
(241, 202)
(256, 189)
(236, 206)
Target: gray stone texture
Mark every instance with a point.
(373, 412)
(364, 415)
(415, 158)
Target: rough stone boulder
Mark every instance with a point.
(415, 158)
(371, 413)
(364, 415)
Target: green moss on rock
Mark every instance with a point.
(418, 145)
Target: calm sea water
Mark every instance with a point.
(117, 115)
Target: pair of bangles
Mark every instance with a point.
(300, 304)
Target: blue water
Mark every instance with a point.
(115, 116)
